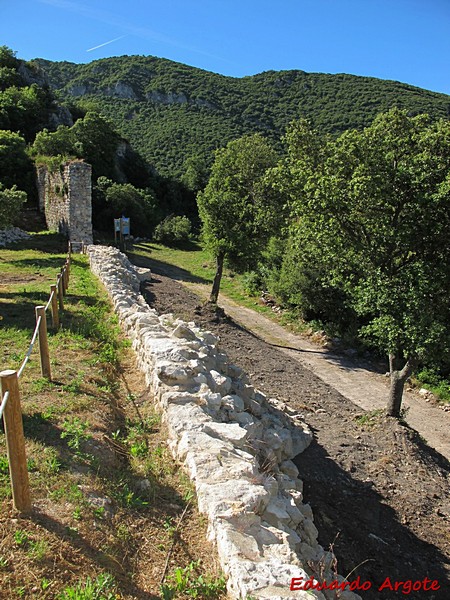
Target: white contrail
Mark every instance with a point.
(105, 43)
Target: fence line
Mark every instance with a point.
(10, 409)
(3, 404)
(30, 348)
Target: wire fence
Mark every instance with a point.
(10, 408)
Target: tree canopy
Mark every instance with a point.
(373, 208)
(237, 212)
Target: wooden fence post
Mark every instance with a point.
(15, 442)
(60, 292)
(43, 343)
(54, 305)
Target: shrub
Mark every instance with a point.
(11, 200)
(252, 282)
(173, 231)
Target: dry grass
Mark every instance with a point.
(107, 496)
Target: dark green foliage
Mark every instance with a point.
(97, 143)
(15, 166)
(57, 143)
(238, 210)
(113, 200)
(11, 200)
(300, 283)
(8, 58)
(170, 111)
(173, 231)
(372, 214)
(26, 103)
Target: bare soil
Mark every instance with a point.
(379, 493)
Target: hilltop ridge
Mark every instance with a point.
(170, 111)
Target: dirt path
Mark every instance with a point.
(379, 494)
(354, 379)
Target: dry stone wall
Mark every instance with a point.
(65, 197)
(235, 443)
(11, 235)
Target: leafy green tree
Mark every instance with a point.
(174, 230)
(97, 142)
(114, 200)
(237, 210)
(11, 200)
(196, 174)
(25, 109)
(15, 166)
(61, 142)
(8, 58)
(374, 207)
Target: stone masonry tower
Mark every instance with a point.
(65, 196)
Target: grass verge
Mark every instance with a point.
(106, 493)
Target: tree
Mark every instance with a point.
(237, 212)
(56, 143)
(15, 166)
(374, 207)
(113, 200)
(97, 142)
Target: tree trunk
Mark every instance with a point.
(217, 278)
(398, 379)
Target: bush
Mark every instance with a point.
(252, 283)
(173, 231)
(11, 200)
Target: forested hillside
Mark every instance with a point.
(170, 111)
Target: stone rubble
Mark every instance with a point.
(14, 234)
(235, 443)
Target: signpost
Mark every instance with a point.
(122, 227)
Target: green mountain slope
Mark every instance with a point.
(170, 111)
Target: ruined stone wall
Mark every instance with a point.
(65, 197)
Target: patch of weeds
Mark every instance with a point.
(74, 429)
(4, 465)
(37, 550)
(21, 538)
(76, 384)
(169, 527)
(107, 354)
(45, 584)
(51, 464)
(3, 562)
(369, 419)
(77, 514)
(139, 448)
(123, 533)
(99, 512)
(126, 497)
(433, 381)
(101, 588)
(188, 582)
(69, 492)
(40, 384)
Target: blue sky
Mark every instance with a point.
(404, 40)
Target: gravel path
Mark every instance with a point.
(379, 493)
